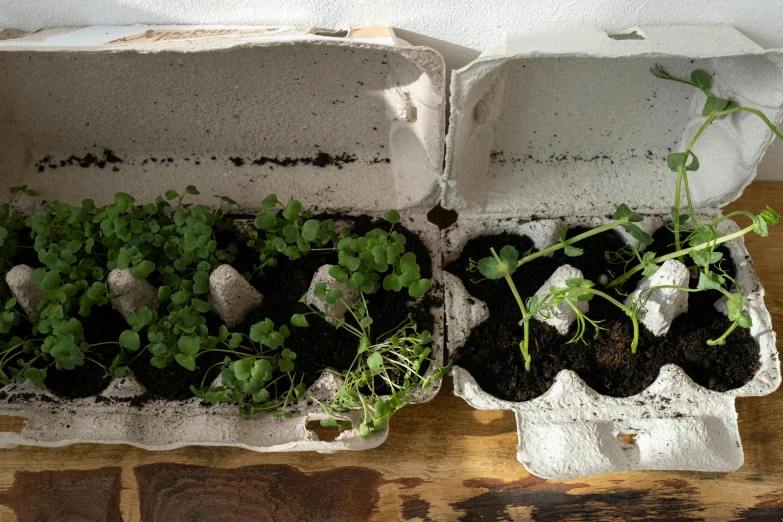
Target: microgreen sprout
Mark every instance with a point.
(258, 372)
(181, 249)
(173, 243)
(289, 232)
(392, 363)
(68, 243)
(686, 161)
(362, 261)
(11, 227)
(702, 238)
(396, 361)
(580, 290)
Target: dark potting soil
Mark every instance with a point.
(104, 324)
(492, 356)
(25, 253)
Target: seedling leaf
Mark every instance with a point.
(299, 320)
(711, 281)
(623, 212)
(701, 79)
(130, 340)
(375, 361)
(638, 234)
(715, 105)
(675, 160)
(392, 216)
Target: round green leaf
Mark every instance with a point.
(164, 292)
(269, 201)
(375, 361)
(292, 210)
(264, 221)
(130, 340)
(338, 273)
(333, 295)
(419, 287)
(123, 259)
(299, 320)
(392, 216)
(143, 269)
(186, 361)
(392, 282)
(51, 281)
(310, 229)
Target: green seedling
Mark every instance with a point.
(173, 243)
(702, 236)
(362, 261)
(579, 290)
(179, 249)
(257, 374)
(394, 360)
(508, 262)
(69, 249)
(288, 232)
(11, 228)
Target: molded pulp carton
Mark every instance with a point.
(350, 122)
(553, 128)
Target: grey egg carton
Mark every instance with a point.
(112, 417)
(552, 128)
(572, 431)
(350, 124)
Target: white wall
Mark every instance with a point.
(457, 28)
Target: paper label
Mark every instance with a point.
(168, 35)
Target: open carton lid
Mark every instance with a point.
(572, 122)
(341, 120)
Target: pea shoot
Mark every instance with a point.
(697, 239)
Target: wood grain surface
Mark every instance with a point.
(442, 461)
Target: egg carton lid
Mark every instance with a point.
(551, 123)
(345, 121)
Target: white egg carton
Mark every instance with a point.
(359, 114)
(553, 128)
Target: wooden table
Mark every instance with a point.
(442, 461)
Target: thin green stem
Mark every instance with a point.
(676, 208)
(575, 239)
(722, 339)
(231, 351)
(760, 115)
(3, 360)
(666, 76)
(682, 180)
(398, 363)
(628, 311)
(204, 378)
(99, 364)
(660, 259)
(687, 188)
(524, 346)
(599, 293)
(730, 215)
